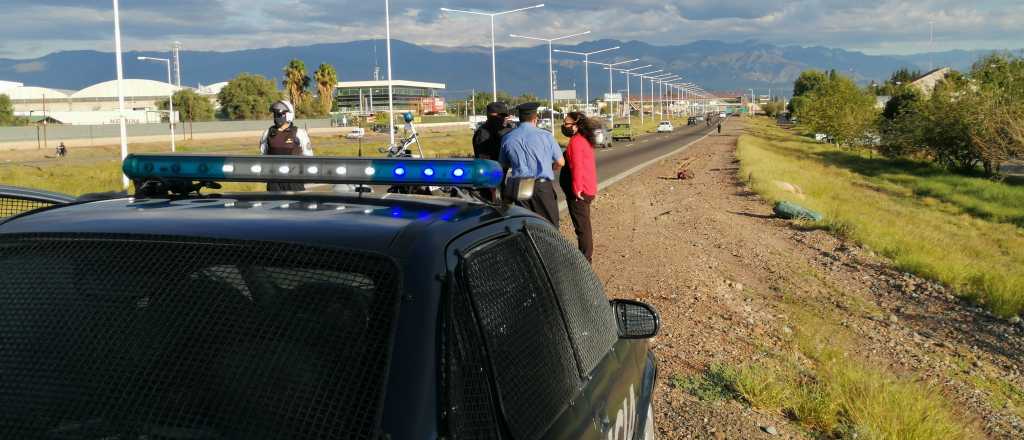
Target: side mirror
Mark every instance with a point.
(517, 190)
(636, 320)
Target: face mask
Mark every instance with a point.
(568, 131)
(280, 119)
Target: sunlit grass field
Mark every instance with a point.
(966, 231)
(88, 170)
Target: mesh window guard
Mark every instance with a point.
(591, 321)
(124, 336)
(11, 206)
(523, 330)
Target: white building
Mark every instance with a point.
(96, 104)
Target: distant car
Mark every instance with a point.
(692, 120)
(356, 133)
(622, 131)
(603, 140)
(722, 115)
(665, 127)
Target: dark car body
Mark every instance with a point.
(310, 315)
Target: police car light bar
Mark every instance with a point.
(474, 173)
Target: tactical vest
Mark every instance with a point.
(284, 143)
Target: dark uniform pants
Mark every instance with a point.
(544, 201)
(579, 212)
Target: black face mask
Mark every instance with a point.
(568, 131)
(280, 119)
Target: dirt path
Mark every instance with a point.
(719, 268)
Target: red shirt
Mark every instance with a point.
(579, 156)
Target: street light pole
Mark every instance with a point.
(391, 91)
(120, 90)
(494, 70)
(642, 76)
(551, 68)
(626, 73)
(586, 67)
(170, 98)
(611, 88)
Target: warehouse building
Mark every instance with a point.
(96, 104)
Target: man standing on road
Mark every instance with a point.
(487, 138)
(529, 152)
(719, 127)
(285, 139)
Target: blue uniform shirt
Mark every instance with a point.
(529, 151)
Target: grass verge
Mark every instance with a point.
(964, 231)
(833, 393)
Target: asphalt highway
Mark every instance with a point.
(624, 156)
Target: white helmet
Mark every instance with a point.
(283, 108)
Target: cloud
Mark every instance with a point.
(35, 27)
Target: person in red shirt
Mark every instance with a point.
(579, 177)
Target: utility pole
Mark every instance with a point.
(45, 116)
(931, 42)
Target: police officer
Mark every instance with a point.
(487, 138)
(285, 139)
(529, 152)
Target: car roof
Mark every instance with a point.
(371, 222)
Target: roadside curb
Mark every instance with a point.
(562, 206)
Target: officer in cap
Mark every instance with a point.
(529, 152)
(285, 139)
(487, 138)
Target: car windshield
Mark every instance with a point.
(171, 337)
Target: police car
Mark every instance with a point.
(182, 313)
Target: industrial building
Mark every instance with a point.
(365, 97)
(93, 105)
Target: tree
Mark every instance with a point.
(296, 82)
(773, 109)
(808, 81)
(840, 109)
(190, 106)
(326, 79)
(996, 96)
(900, 124)
(6, 110)
(248, 96)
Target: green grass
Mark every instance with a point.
(89, 170)
(964, 231)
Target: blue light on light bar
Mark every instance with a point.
(301, 169)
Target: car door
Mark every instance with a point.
(509, 368)
(533, 348)
(618, 373)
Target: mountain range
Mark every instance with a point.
(716, 65)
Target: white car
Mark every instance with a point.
(665, 127)
(356, 133)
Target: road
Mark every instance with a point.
(624, 156)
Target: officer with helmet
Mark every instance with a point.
(285, 139)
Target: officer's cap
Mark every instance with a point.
(528, 109)
(497, 107)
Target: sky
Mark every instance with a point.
(33, 28)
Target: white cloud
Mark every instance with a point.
(35, 27)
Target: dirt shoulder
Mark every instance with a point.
(730, 281)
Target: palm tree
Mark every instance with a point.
(295, 81)
(326, 79)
